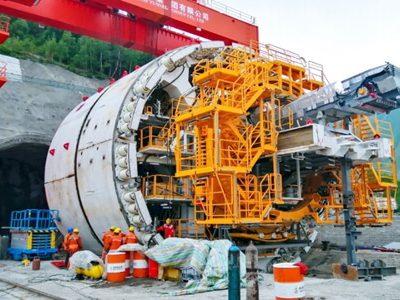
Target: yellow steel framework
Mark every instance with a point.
(226, 146)
(165, 187)
(216, 146)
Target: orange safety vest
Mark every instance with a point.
(65, 241)
(105, 235)
(116, 242)
(74, 243)
(130, 238)
(106, 238)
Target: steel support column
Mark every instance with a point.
(348, 212)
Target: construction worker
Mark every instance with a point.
(74, 242)
(106, 238)
(115, 241)
(66, 237)
(130, 237)
(168, 229)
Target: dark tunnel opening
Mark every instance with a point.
(21, 180)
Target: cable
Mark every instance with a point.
(176, 78)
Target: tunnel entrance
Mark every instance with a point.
(21, 179)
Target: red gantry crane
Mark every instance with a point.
(152, 26)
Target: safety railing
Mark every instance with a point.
(168, 133)
(271, 187)
(180, 105)
(249, 198)
(204, 66)
(315, 71)
(230, 11)
(275, 53)
(363, 128)
(150, 137)
(367, 128)
(187, 228)
(384, 171)
(34, 219)
(166, 187)
(194, 155)
(233, 153)
(285, 121)
(312, 71)
(384, 128)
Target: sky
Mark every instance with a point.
(345, 36)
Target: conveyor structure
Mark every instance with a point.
(248, 140)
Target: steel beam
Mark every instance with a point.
(191, 17)
(99, 23)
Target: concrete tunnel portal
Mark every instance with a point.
(21, 178)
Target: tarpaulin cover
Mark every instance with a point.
(209, 258)
(83, 259)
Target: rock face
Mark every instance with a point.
(33, 102)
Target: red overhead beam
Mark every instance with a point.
(100, 23)
(191, 17)
(26, 2)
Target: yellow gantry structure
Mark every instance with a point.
(225, 144)
(216, 146)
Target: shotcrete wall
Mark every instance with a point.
(33, 103)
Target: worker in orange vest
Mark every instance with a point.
(130, 237)
(74, 242)
(106, 238)
(66, 238)
(168, 229)
(116, 240)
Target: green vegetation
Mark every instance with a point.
(80, 54)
